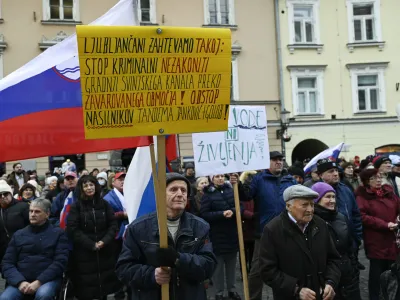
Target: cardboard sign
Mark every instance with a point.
(144, 81)
(244, 147)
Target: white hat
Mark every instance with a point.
(4, 187)
(102, 175)
(395, 160)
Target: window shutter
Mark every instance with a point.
(75, 11)
(46, 9)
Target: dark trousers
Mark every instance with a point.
(255, 281)
(248, 252)
(376, 268)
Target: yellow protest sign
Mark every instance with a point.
(144, 81)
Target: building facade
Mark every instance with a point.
(28, 29)
(340, 75)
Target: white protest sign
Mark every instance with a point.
(243, 147)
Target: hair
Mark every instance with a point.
(26, 186)
(43, 204)
(366, 175)
(110, 180)
(79, 187)
(16, 164)
(50, 179)
(290, 202)
(200, 179)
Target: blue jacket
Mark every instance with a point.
(36, 253)
(116, 204)
(267, 192)
(137, 262)
(58, 205)
(347, 205)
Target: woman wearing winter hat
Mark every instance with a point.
(102, 180)
(325, 208)
(379, 208)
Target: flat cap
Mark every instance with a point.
(299, 192)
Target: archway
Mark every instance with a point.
(307, 149)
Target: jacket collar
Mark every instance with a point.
(184, 226)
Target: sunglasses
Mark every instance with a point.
(4, 194)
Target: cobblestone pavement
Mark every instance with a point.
(267, 295)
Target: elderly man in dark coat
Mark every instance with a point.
(298, 259)
(186, 264)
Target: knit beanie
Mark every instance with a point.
(322, 188)
(379, 160)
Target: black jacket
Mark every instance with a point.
(289, 257)
(349, 286)
(137, 262)
(13, 218)
(93, 273)
(223, 231)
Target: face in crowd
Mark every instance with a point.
(177, 193)
(119, 183)
(202, 182)
(349, 171)
(18, 169)
(328, 201)
(70, 182)
(276, 165)
(302, 210)
(219, 179)
(385, 167)
(331, 176)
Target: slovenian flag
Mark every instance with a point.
(41, 103)
(139, 185)
(332, 153)
(65, 211)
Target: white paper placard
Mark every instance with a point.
(244, 147)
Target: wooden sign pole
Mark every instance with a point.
(160, 187)
(241, 242)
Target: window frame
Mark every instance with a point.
(75, 12)
(152, 12)
(308, 72)
(291, 4)
(377, 29)
(365, 70)
(235, 78)
(231, 13)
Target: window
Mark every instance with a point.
(303, 21)
(364, 21)
(147, 11)
(368, 88)
(307, 90)
(61, 10)
(234, 79)
(219, 12)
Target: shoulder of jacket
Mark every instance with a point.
(143, 219)
(198, 221)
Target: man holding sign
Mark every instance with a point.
(188, 261)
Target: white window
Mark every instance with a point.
(307, 91)
(303, 21)
(61, 10)
(147, 11)
(219, 12)
(364, 21)
(234, 79)
(368, 87)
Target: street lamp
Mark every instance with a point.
(282, 132)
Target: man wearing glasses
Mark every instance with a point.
(266, 189)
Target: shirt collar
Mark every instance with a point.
(295, 222)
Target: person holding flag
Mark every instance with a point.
(184, 265)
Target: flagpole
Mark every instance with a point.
(162, 204)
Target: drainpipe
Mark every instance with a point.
(280, 69)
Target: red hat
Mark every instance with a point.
(119, 174)
(70, 174)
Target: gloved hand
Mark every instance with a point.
(167, 257)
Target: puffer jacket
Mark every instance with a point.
(36, 253)
(223, 231)
(93, 273)
(347, 205)
(137, 262)
(390, 283)
(12, 218)
(348, 287)
(267, 192)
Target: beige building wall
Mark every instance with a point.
(253, 38)
(337, 55)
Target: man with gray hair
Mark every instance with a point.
(36, 256)
(298, 259)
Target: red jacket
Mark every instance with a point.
(376, 213)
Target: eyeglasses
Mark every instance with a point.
(375, 178)
(4, 194)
